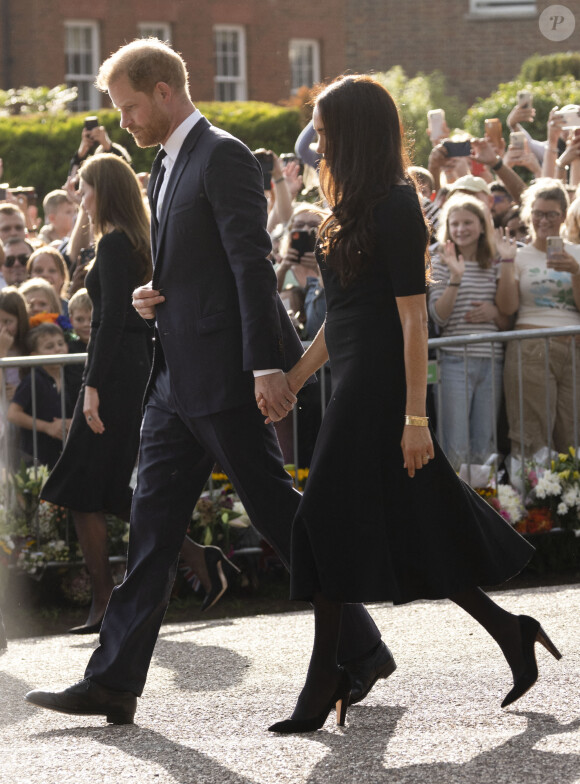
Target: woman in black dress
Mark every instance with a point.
(402, 526)
(92, 476)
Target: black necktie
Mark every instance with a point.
(158, 172)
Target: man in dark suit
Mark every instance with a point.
(222, 338)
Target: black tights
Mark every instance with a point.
(323, 673)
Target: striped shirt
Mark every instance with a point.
(477, 285)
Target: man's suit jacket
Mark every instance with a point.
(222, 317)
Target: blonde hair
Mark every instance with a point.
(80, 300)
(58, 258)
(544, 188)
(485, 251)
(119, 204)
(145, 62)
(572, 231)
(40, 284)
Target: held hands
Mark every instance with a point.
(417, 448)
(91, 410)
(145, 299)
(274, 397)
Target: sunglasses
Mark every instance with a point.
(22, 258)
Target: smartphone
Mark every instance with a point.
(435, 120)
(289, 157)
(303, 240)
(525, 99)
(28, 193)
(91, 122)
(571, 116)
(3, 191)
(493, 131)
(266, 161)
(458, 149)
(554, 245)
(518, 140)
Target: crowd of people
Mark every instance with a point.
(353, 276)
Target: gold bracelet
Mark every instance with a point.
(417, 421)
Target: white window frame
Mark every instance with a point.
(161, 30)
(94, 96)
(314, 46)
(237, 81)
(502, 8)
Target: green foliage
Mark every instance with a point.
(550, 67)
(36, 149)
(546, 94)
(415, 97)
(31, 100)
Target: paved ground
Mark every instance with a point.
(215, 686)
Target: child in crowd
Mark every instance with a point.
(40, 297)
(45, 339)
(80, 311)
(59, 215)
(13, 332)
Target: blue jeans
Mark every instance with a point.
(468, 402)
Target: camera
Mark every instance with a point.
(303, 240)
(458, 149)
(266, 161)
(21, 193)
(571, 116)
(91, 123)
(289, 157)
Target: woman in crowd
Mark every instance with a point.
(48, 263)
(13, 333)
(420, 531)
(545, 292)
(92, 476)
(462, 302)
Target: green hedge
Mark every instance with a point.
(37, 149)
(547, 94)
(550, 66)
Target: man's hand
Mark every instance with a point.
(145, 298)
(54, 429)
(274, 397)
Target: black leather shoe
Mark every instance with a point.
(87, 698)
(94, 628)
(366, 670)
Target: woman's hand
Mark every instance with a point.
(310, 265)
(482, 311)
(505, 244)
(563, 262)
(455, 263)
(91, 410)
(417, 448)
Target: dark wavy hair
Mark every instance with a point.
(364, 157)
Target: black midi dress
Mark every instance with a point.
(94, 470)
(365, 531)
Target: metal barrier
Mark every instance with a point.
(495, 339)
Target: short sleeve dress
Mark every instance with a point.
(94, 471)
(365, 531)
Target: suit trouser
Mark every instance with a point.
(176, 457)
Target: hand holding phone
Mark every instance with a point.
(554, 246)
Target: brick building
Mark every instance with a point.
(265, 49)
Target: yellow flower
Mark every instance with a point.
(572, 451)
(564, 474)
(562, 457)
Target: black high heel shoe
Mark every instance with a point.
(340, 698)
(532, 633)
(220, 570)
